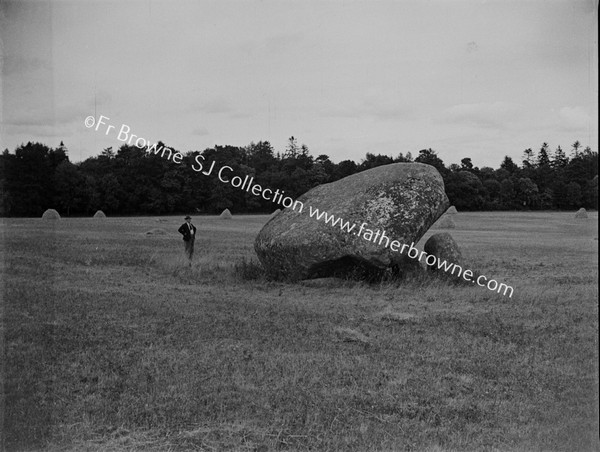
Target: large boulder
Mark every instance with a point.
(397, 202)
(444, 248)
(581, 213)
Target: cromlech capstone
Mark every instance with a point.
(99, 214)
(581, 213)
(444, 248)
(400, 200)
(446, 222)
(51, 214)
(451, 210)
(226, 215)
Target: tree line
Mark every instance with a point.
(132, 181)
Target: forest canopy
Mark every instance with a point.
(133, 181)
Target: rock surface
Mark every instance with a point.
(446, 222)
(402, 199)
(444, 247)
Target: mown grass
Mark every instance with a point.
(112, 342)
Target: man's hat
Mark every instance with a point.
(187, 217)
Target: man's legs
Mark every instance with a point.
(189, 249)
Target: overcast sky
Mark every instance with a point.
(471, 78)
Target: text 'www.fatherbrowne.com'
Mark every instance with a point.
(380, 237)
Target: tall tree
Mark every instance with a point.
(493, 190)
(403, 158)
(574, 195)
(528, 158)
(108, 153)
(31, 178)
(508, 165)
(527, 192)
(559, 159)
(372, 161)
(292, 149)
(464, 190)
(591, 193)
(69, 185)
(466, 164)
(508, 194)
(261, 156)
(304, 160)
(543, 159)
(327, 165)
(344, 168)
(543, 173)
(430, 157)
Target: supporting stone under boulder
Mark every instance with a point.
(397, 202)
(446, 222)
(444, 248)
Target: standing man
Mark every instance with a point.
(188, 230)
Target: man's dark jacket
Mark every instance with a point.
(185, 230)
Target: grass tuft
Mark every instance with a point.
(249, 270)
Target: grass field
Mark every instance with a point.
(112, 343)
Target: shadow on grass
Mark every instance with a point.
(216, 269)
(415, 276)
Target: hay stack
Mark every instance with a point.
(581, 213)
(99, 214)
(50, 214)
(451, 210)
(156, 231)
(446, 222)
(226, 215)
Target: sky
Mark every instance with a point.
(467, 78)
